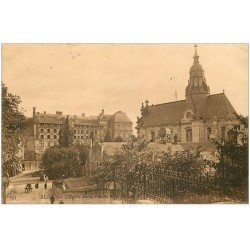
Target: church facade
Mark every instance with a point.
(197, 119)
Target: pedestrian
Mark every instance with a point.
(61, 202)
(27, 188)
(36, 186)
(45, 185)
(52, 199)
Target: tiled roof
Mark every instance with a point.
(59, 119)
(171, 113)
(90, 122)
(218, 105)
(166, 113)
(120, 117)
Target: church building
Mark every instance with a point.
(197, 119)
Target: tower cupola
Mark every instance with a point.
(197, 81)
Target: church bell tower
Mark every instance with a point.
(197, 89)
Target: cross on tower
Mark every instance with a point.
(146, 102)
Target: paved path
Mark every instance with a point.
(38, 196)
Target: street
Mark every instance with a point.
(17, 195)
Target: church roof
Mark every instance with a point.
(165, 113)
(171, 113)
(218, 105)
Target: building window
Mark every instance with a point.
(74, 137)
(74, 131)
(55, 131)
(189, 135)
(81, 137)
(87, 132)
(81, 131)
(209, 130)
(48, 136)
(48, 130)
(41, 130)
(78, 136)
(55, 137)
(41, 137)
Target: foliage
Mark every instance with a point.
(107, 137)
(233, 160)
(190, 161)
(67, 160)
(66, 134)
(13, 121)
(61, 163)
(135, 155)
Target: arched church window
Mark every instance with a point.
(152, 133)
(189, 135)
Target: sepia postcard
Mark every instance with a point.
(124, 124)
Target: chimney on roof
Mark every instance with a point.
(83, 114)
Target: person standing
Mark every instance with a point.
(45, 185)
(52, 199)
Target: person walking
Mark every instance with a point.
(37, 185)
(52, 199)
(45, 185)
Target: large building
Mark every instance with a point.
(197, 119)
(43, 130)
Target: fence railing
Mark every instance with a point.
(164, 184)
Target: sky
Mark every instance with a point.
(86, 78)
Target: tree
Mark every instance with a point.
(64, 162)
(233, 160)
(66, 134)
(108, 137)
(13, 121)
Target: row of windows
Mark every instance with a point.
(49, 144)
(80, 137)
(56, 137)
(49, 137)
(81, 132)
(49, 130)
(50, 125)
(85, 127)
(56, 131)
